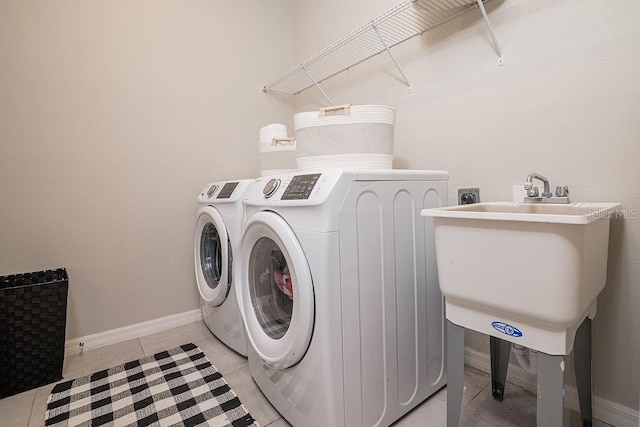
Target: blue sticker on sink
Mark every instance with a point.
(507, 329)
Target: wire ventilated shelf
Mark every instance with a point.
(406, 20)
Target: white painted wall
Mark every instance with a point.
(565, 104)
(113, 116)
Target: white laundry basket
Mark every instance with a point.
(359, 136)
(277, 156)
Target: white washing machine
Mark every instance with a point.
(218, 231)
(339, 292)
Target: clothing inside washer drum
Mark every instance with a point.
(270, 287)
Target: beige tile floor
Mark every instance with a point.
(479, 409)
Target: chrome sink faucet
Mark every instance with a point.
(532, 191)
(534, 196)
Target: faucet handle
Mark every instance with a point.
(532, 191)
(562, 191)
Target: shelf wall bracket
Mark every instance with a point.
(493, 36)
(317, 85)
(386, 47)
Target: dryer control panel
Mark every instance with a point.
(224, 192)
(227, 190)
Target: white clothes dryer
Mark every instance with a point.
(339, 292)
(218, 231)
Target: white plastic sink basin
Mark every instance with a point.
(574, 213)
(526, 273)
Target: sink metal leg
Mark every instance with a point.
(551, 410)
(500, 351)
(582, 364)
(455, 373)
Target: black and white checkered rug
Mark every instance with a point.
(177, 387)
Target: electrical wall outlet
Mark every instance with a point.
(467, 196)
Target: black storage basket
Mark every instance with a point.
(33, 318)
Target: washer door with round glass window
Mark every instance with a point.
(212, 257)
(275, 292)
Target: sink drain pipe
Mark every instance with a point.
(526, 357)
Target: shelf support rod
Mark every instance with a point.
(375, 28)
(493, 36)
(317, 85)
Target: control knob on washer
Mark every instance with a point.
(271, 187)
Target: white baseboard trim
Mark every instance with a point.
(77, 345)
(604, 410)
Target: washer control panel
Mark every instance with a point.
(296, 189)
(300, 187)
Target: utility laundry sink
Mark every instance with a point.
(528, 273)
